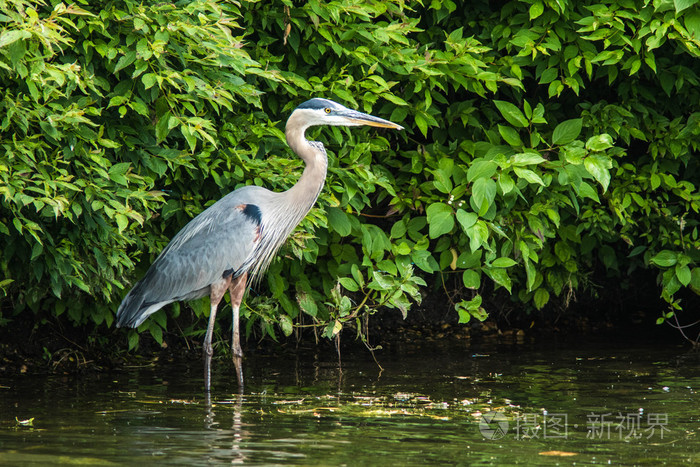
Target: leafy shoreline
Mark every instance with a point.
(550, 148)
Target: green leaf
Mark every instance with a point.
(422, 124)
(160, 318)
(9, 36)
(541, 298)
(403, 249)
(599, 142)
(148, 80)
(440, 219)
(481, 169)
(424, 260)
(472, 308)
(503, 262)
(683, 274)
(333, 328)
(398, 230)
(122, 221)
(466, 219)
(50, 130)
(531, 274)
(692, 23)
(357, 274)
(125, 60)
(464, 315)
(471, 279)
(469, 260)
(37, 249)
(549, 75)
(345, 306)
(349, 284)
(528, 175)
(156, 332)
(510, 135)
(527, 158)
(567, 131)
(133, 339)
(338, 220)
(665, 259)
(585, 190)
(511, 113)
(597, 166)
(307, 304)
(654, 181)
(500, 277)
(681, 5)
(117, 173)
(506, 183)
(695, 280)
(536, 9)
(286, 325)
(478, 235)
(483, 194)
(163, 126)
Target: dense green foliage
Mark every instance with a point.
(548, 144)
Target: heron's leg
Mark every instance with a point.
(216, 293)
(237, 289)
(206, 346)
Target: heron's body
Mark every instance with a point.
(235, 239)
(218, 243)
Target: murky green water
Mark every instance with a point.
(588, 405)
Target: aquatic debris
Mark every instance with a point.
(183, 401)
(558, 453)
(298, 401)
(27, 422)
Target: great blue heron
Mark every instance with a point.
(236, 238)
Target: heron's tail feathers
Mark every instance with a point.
(135, 308)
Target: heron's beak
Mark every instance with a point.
(358, 118)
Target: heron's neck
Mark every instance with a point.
(307, 189)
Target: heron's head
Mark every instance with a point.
(319, 111)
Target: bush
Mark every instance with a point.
(548, 145)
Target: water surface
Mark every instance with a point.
(446, 402)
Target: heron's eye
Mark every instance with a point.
(327, 110)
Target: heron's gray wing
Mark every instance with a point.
(211, 246)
